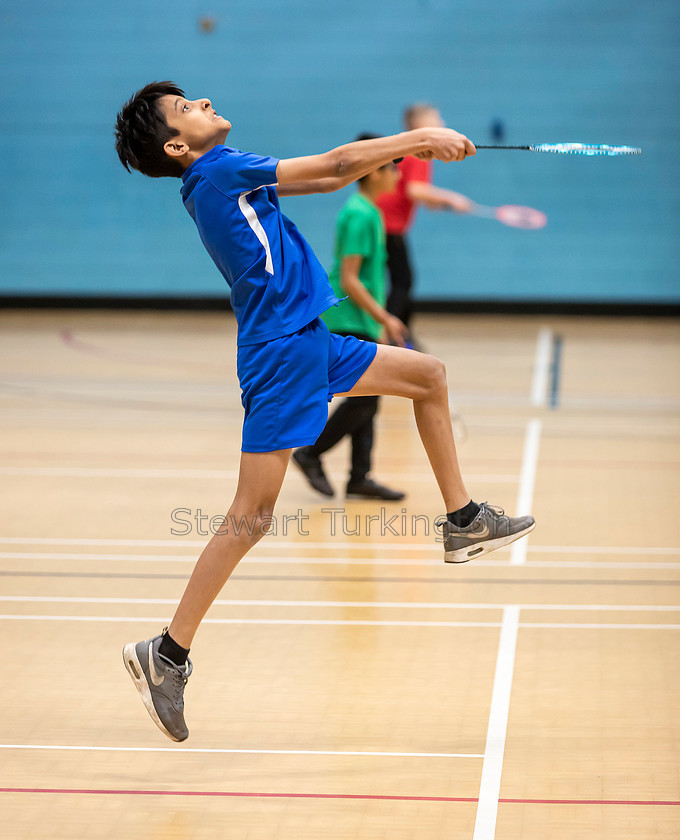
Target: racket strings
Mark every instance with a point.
(588, 149)
(585, 149)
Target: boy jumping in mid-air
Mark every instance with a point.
(289, 365)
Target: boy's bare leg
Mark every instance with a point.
(160, 678)
(421, 378)
(260, 477)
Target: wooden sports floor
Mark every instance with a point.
(348, 685)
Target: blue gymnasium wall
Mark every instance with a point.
(301, 76)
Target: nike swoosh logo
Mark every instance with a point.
(476, 535)
(155, 679)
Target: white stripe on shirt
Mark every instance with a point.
(256, 227)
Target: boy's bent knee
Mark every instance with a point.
(434, 375)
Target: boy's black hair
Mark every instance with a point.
(367, 135)
(141, 132)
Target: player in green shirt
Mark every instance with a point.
(359, 275)
(359, 233)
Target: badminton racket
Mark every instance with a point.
(574, 149)
(513, 215)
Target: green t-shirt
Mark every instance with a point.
(360, 231)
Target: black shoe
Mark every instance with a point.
(369, 489)
(313, 471)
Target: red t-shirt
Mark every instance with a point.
(396, 207)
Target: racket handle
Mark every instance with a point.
(483, 211)
(525, 148)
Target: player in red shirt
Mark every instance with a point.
(414, 188)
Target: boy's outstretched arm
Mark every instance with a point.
(340, 166)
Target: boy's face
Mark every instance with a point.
(386, 178)
(428, 118)
(200, 127)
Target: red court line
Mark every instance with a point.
(78, 344)
(377, 797)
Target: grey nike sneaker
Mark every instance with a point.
(489, 530)
(160, 684)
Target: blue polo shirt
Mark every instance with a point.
(277, 284)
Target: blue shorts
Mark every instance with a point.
(287, 383)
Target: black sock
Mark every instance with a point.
(172, 651)
(463, 517)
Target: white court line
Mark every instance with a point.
(330, 545)
(250, 559)
(603, 549)
(538, 398)
(117, 472)
(116, 558)
(527, 625)
(525, 495)
(179, 750)
(489, 791)
(274, 621)
(581, 564)
(398, 605)
(339, 623)
(218, 475)
(539, 382)
(413, 562)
